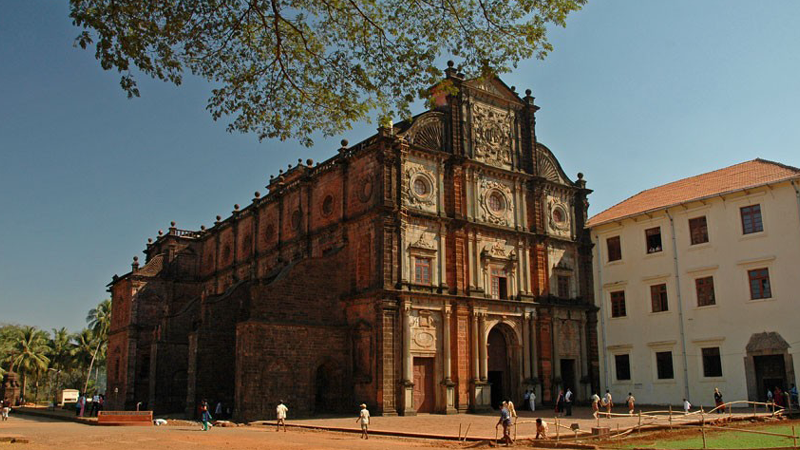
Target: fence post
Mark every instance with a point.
(670, 417)
(639, 428)
(794, 438)
(754, 409)
(557, 430)
(703, 426)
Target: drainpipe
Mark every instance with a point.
(680, 306)
(602, 311)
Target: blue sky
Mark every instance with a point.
(635, 94)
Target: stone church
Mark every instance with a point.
(439, 266)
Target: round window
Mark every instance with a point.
(296, 219)
(327, 206)
(420, 187)
(496, 202)
(558, 215)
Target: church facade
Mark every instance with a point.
(440, 266)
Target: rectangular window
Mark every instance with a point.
(759, 284)
(653, 238)
(705, 291)
(618, 304)
(658, 297)
(422, 270)
(664, 366)
(614, 249)
(698, 229)
(751, 219)
(712, 363)
(623, 365)
(563, 286)
(499, 284)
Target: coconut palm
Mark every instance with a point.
(99, 320)
(28, 353)
(61, 354)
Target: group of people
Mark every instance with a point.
(507, 413)
(97, 403)
(783, 398)
(564, 402)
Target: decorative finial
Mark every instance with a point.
(172, 224)
(160, 232)
(309, 162)
(450, 63)
(271, 177)
(149, 240)
(236, 207)
(513, 89)
(344, 142)
(136, 259)
(202, 228)
(299, 161)
(257, 194)
(290, 165)
(580, 175)
(219, 218)
(528, 92)
(280, 171)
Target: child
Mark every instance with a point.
(363, 416)
(541, 429)
(4, 410)
(631, 401)
(205, 416)
(281, 411)
(686, 406)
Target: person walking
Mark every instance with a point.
(686, 406)
(609, 403)
(793, 394)
(718, 401)
(363, 417)
(631, 402)
(218, 410)
(4, 410)
(281, 411)
(526, 399)
(595, 405)
(505, 420)
(532, 402)
(95, 404)
(205, 415)
(568, 401)
(79, 405)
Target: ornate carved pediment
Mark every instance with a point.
(423, 244)
(548, 167)
(498, 251)
(427, 131)
(492, 129)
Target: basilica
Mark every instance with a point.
(439, 266)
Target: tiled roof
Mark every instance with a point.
(741, 176)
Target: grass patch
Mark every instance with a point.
(690, 439)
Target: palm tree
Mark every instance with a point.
(62, 352)
(28, 353)
(99, 320)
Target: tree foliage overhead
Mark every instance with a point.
(286, 68)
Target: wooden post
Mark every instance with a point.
(459, 432)
(557, 430)
(670, 417)
(639, 428)
(794, 438)
(466, 432)
(703, 426)
(754, 409)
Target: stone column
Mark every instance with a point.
(526, 347)
(481, 397)
(482, 346)
(449, 386)
(475, 358)
(408, 363)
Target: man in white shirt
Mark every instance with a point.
(363, 417)
(281, 411)
(568, 401)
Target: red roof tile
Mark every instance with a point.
(741, 176)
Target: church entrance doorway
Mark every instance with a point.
(770, 373)
(568, 375)
(424, 382)
(499, 367)
(328, 388)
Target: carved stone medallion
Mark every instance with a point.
(492, 127)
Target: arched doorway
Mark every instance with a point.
(768, 364)
(328, 388)
(501, 344)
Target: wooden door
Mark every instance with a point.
(424, 393)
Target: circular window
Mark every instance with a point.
(558, 216)
(327, 206)
(269, 232)
(296, 219)
(496, 202)
(421, 187)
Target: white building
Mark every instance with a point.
(698, 285)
